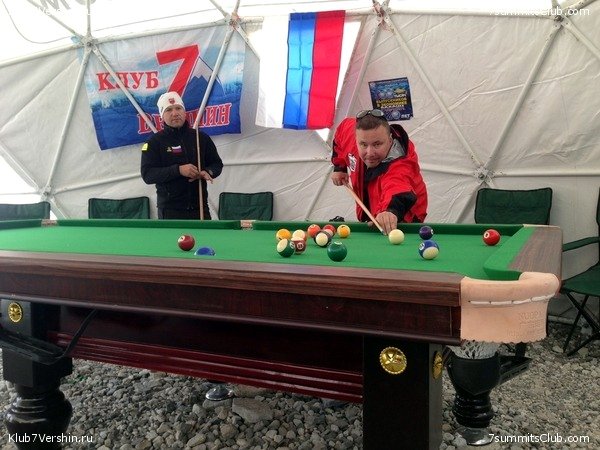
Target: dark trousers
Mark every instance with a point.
(182, 214)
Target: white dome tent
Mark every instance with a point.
(504, 94)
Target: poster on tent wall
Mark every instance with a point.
(152, 65)
(392, 97)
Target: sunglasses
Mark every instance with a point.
(371, 112)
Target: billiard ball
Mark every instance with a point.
(343, 231)
(322, 239)
(299, 234)
(337, 251)
(299, 244)
(286, 248)
(186, 242)
(426, 232)
(331, 228)
(283, 234)
(429, 249)
(313, 229)
(205, 251)
(396, 236)
(491, 237)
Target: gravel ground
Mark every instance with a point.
(125, 409)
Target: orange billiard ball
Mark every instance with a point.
(313, 229)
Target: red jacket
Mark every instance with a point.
(395, 185)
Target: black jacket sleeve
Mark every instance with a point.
(211, 159)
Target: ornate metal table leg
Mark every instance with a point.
(37, 415)
(473, 380)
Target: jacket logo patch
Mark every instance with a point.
(145, 147)
(352, 161)
(177, 149)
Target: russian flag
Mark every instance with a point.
(300, 95)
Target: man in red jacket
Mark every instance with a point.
(383, 167)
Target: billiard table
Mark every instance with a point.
(369, 329)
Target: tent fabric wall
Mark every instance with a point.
(506, 101)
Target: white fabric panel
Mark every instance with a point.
(273, 71)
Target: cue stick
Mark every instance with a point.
(200, 193)
(364, 208)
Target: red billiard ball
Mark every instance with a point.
(299, 244)
(186, 242)
(331, 228)
(491, 237)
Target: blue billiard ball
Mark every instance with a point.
(205, 251)
(429, 249)
(426, 232)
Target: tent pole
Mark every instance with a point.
(67, 122)
(78, 186)
(365, 63)
(522, 95)
(49, 14)
(579, 5)
(570, 26)
(400, 39)
(213, 76)
(118, 81)
(331, 131)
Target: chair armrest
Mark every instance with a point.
(580, 243)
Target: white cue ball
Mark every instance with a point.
(396, 236)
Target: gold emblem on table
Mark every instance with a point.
(438, 365)
(15, 312)
(392, 360)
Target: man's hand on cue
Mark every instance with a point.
(189, 171)
(204, 174)
(339, 178)
(387, 220)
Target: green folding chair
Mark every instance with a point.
(513, 206)
(586, 284)
(505, 206)
(22, 211)
(126, 208)
(243, 206)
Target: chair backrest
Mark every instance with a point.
(513, 206)
(240, 206)
(126, 208)
(598, 212)
(11, 211)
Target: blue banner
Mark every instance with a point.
(150, 66)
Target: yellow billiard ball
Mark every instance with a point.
(283, 234)
(343, 231)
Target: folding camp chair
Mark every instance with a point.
(10, 211)
(513, 206)
(502, 206)
(587, 283)
(126, 208)
(242, 206)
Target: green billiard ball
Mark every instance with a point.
(286, 248)
(337, 251)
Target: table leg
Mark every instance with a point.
(473, 381)
(402, 409)
(40, 413)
